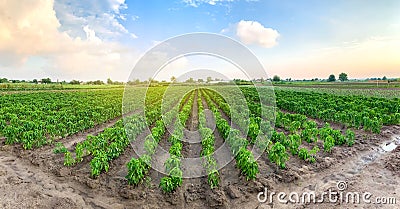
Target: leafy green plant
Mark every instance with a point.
(329, 143)
(304, 154)
(294, 126)
(308, 155)
(68, 160)
(137, 169)
(150, 145)
(167, 184)
(350, 137)
(247, 164)
(60, 148)
(277, 154)
(99, 163)
(172, 162)
(253, 129)
(376, 125)
(175, 149)
(294, 143)
(313, 154)
(339, 138)
(213, 178)
(79, 148)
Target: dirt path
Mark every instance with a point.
(362, 170)
(193, 189)
(26, 186)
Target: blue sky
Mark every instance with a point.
(89, 40)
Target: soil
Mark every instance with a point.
(37, 178)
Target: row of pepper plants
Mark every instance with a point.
(40, 118)
(299, 127)
(173, 180)
(238, 145)
(112, 142)
(107, 145)
(208, 146)
(139, 167)
(260, 132)
(357, 111)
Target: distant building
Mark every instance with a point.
(220, 81)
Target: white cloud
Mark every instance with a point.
(117, 5)
(91, 35)
(134, 36)
(252, 32)
(30, 31)
(103, 16)
(192, 3)
(196, 3)
(225, 30)
(135, 17)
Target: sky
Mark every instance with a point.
(91, 40)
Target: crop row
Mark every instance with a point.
(139, 167)
(112, 142)
(351, 110)
(36, 119)
(208, 146)
(107, 145)
(299, 126)
(173, 180)
(244, 158)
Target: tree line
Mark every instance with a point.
(332, 78)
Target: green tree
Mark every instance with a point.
(46, 80)
(173, 79)
(343, 77)
(276, 78)
(74, 82)
(331, 78)
(152, 80)
(133, 82)
(109, 81)
(209, 79)
(98, 82)
(384, 78)
(190, 80)
(35, 81)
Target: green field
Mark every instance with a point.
(278, 124)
